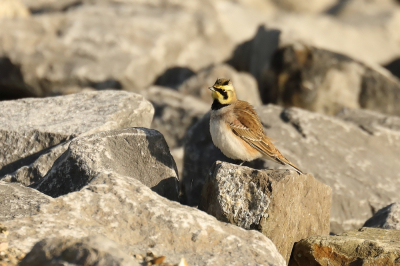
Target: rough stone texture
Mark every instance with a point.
(369, 121)
(386, 218)
(245, 84)
(30, 127)
(18, 201)
(88, 251)
(284, 206)
(367, 247)
(325, 82)
(13, 9)
(129, 213)
(136, 152)
(108, 44)
(174, 113)
(361, 168)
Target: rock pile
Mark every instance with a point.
(118, 166)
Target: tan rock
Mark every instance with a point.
(367, 247)
(284, 206)
(13, 9)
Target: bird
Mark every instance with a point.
(236, 128)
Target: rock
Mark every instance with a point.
(394, 67)
(31, 128)
(109, 45)
(174, 113)
(386, 218)
(367, 246)
(90, 251)
(315, 6)
(18, 201)
(283, 205)
(13, 9)
(370, 121)
(245, 84)
(361, 168)
(316, 79)
(136, 152)
(124, 210)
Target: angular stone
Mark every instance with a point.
(367, 247)
(90, 251)
(245, 85)
(361, 168)
(31, 127)
(283, 205)
(124, 210)
(18, 201)
(136, 152)
(386, 218)
(325, 82)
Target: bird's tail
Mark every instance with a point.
(285, 161)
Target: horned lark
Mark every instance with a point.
(236, 129)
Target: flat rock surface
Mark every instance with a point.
(362, 169)
(283, 205)
(386, 218)
(140, 153)
(30, 127)
(366, 246)
(129, 213)
(18, 201)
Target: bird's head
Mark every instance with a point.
(223, 91)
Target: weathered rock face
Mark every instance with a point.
(120, 51)
(137, 152)
(127, 212)
(18, 201)
(386, 218)
(361, 168)
(367, 246)
(284, 206)
(245, 85)
(325, 82)
(30, 128)
(91, 251)
(13, 9)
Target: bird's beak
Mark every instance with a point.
(211, 88)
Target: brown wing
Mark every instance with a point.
(248, 126)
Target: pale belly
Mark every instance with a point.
(231, 145)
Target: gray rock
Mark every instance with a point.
(121, 51)
(386, 218)
(88, 251)
(362, 169)
(325, 82)
(174, 113)
(245, 85)
(366, 246)
(136, 152)
(32, 127)
(283, 205)
(18, 201)
(370, 121)
(129, 213)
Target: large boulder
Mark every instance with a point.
(325, 82)
(361, 168)
(136, 152)
(367, 247)
(283, 205)
(386, 218)
(103, 44)
(40, 129)
(18, 201)
(124, 210)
